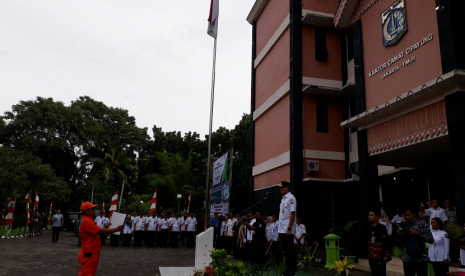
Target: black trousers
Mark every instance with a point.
(56, 233)
(162, 237)
(102, 239)
(150, 238)
(378, 268)
(259, 254)
(174, 239)
(276, 250)
(287, 243)
(114, 240)
(127, 240)
(440, 268)
(247, 253)
(415, 268)
(190, 239)
(183, 237)
(138, 236)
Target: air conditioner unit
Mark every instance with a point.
(313, 166)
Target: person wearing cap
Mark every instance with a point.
(90, 239)
(287, 226)
(101, 220)
(259, 239)
(139, 222)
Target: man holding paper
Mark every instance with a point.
(90, 239)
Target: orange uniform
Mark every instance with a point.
(90, 247)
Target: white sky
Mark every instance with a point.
(151, 57)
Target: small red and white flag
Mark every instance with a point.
(114, 203)
(36, 203)
(103, 205)
(189, 204)
(11, 211)
(213, 18)
(50, 214)
(28, 198)
(153, 203)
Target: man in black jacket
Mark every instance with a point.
(234, 246)
(259, 239)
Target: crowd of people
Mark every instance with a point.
(420, 232)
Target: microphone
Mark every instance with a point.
(272, 192)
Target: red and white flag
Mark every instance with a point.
(189, 204)
(213, 18)
(28, 198)
(153, 202)
(11, 211)
(103, 205)
(36, 203)
(114, 203)
(50, 214)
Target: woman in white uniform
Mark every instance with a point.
(439, 251)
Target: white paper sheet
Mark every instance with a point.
(116, 220)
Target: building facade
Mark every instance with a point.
(358, 103)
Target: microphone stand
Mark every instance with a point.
(268, 195)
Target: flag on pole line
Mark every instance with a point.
(114, 203)
(36, 203)
(50, 214)
(28, 198)
(213, 18)
(11, 211)
(103, 205)
(189, 204)
(153, 203)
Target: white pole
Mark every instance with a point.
(92, 197)
(121, 196)
(212, 100)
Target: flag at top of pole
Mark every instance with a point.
(153, 203)
(213, 18)
(114, 203)
(189, 204)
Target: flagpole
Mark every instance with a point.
(212, 99)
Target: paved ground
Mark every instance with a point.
(39, 256)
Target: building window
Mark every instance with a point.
(350, 45)
(322, 114)
(321, 51)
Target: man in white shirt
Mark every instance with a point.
(151, 227)
(57, 225)
(175, 227)
(139, 222)
(191, 228)
(434, 212)
(276, 245)
(398, 217)
(183, 229)
(163, 228)
(287, 226)
(299, 238)
(101, 220)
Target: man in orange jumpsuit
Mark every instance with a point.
(90, 239)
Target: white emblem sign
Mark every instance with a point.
(394, 23)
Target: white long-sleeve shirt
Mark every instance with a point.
(439, 250)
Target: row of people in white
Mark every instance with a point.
(156, 223)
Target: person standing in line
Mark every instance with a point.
(242, 239)
(140, 228)
(101, 221)
(235, 240)
(90, 236)
(127, 231)
(384, 220)
(287, 226)
(398, 217)
(224, 233)
(299, 238)
(434, 212)
(163, 228)
(183, 229)
(191, 228)
(214, 223)
(451, 212)
(439, 251)
(36, 219)
(175, 227)
(152, 225)
(259, 239)
(57, 225)
(414, 234)
(276, 244)
(379, 247)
